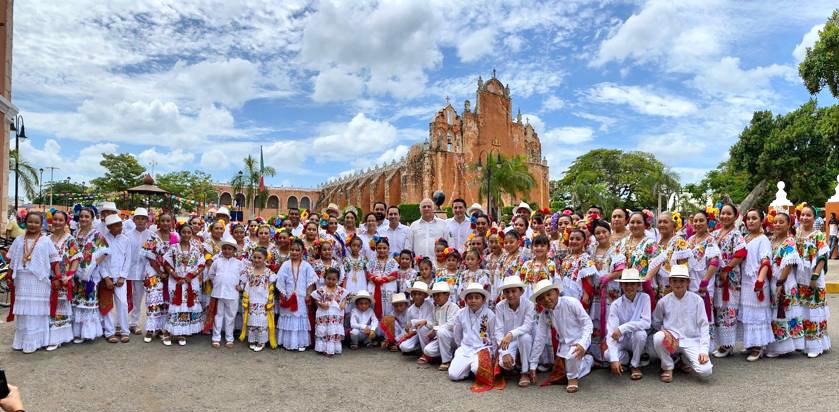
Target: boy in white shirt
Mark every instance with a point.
(225, 273)
(573, 332)
(419, 316)
(683, 327)
(627, 324)
(440, 339)
(513, 325)
(473, 332)
(114, 271)
(363, 321)
(394, 327)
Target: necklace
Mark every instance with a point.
(27, 251)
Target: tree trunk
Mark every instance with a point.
(752, 198)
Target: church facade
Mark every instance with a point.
(447, 160)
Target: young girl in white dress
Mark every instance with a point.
(295, 282)
(331, 301)
(257, 284)
(185, 263)
(755, 316)
(61, 310)
(382, 277)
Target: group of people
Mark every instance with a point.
(552, 291)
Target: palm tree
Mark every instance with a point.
(248, 180)
(508, 176)
(28, 174)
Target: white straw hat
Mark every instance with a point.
(223, 211)
(542, 287)
(441, 287)
(418, 286)
(108, 207)
(679, 271)
(474, 287)
(630, 275)
(141, 211)
(475, 207)
(362, 294)
(511, 282)
(523, 205)
(230, 242)
(398, 298)
(111, 219)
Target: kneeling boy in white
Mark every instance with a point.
(474, 331)
(626, 327)
(394, 326)
(683, 327)
(440, 341)
(363, 320)
(573, 332)
(419, 318)
(225, 273)
(513, 324)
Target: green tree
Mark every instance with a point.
(612, 178)
(195, 185)
(122, 172)
(247, 181)
(64, 193)
(820, 67)
(510, 176)
(28, 178)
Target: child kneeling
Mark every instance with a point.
(363, 321)
(474, 330)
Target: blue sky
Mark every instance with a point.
(331, 87)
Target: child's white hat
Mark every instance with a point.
(398, 298)
(542, 287)
(362, 294)
(512, 282)
(630, 275)
(474, 287)
(230, 242)
(418, 286)
(441, 287)
(679, 271)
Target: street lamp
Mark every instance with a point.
(67, 197)
(41, 188)
(20, 133)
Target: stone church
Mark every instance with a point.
(447, 159)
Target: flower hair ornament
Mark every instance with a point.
(677, 220)
(648, 217)
(304, 214)
(324, 220)
(473, 220)
(375, 240)
(554, 221)
(544, 211)
(712, 213)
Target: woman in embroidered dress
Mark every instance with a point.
(559, 246)
(366, 233)
(786, 321)
(157, 299)
(350, 219)
(492, 262)
(703, 264)
(672, 250)
(87, 324)
(311, 246)
(620, 217)
(296, 281)
(406, 272)
(812, 247)
(755, 315)
(330, 225)
(61, 311)
(473, 273)
(34, 262)
(184, 264)
(520, 225)
(727, 297)
(637, 249)
(326, 261)
(263, 240)
(329, 319)
(242, 240)
(381, 277)
(253, 227)
(257, 286)
(609, 266)
(539, 267)
(577, 272)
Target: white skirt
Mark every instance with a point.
(61, 326)
(32, 332)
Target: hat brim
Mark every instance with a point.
(401, 301)
(541, 292)
(467, 292)
(629, 280)
(505, 287)
(439, 291)
(231, 244)
(412, 290)
(679, 277)
(356, 298)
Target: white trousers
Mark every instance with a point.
(633, 343)
(410, 345)
(465, 360)
(225, 315)
(578, 368)
(689, 355)
(357, 337)
(442, 346)
(520, 346)
(120, 312)
(138, 290)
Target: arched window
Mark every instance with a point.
(449, 116)
(305, 203)
(273, 202)
(225, 199)
(449, 140)
(292, 202)
(240, 200)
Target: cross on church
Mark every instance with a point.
(447, 100)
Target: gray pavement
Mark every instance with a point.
(150, 377)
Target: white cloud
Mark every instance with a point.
(360, 136)
(175, 159)
(642, 100)
(605, 121)
(808, 40)
(335, 85)
(534, 121)
(514, 43)
(672, 148)
(552, 103)
(690, 174)
(570, 135)
(83, 167)
(476, 44)
(726, 78)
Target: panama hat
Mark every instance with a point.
(524, 205)
(230, 242)
(542, 287)
(679, 271)
(223, 211)
(112, 219)
(362, 294)
(474, 287)
(333, 206)
(475, 207)
(441, 287)
(418, 286)
(141, 211)
(108, 207)
(511, 282)
(630, 275)
(398, 298)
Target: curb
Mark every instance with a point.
(832, 287)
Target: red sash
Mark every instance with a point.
(378, 281)
(289, 303)
(190, 294)
(106, 299)
(488, 376)
(212, 308)
(387, 327)
(129, 294)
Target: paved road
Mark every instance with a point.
(140, 376)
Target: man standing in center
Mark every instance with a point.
(459, 226)
(425, 231)
(395, 232)
(137, 267)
